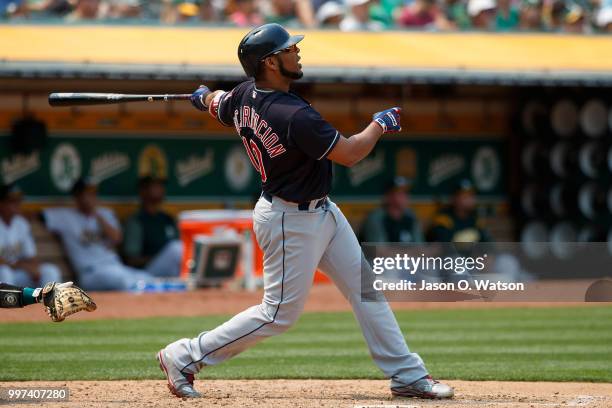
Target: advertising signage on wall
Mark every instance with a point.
(213, 168)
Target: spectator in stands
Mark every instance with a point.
(368, 15)
(575, 21)
(125, 9)
(420, 14)
(90, 234)
(482, 14)
(292, 12)
(604, 19)
(12, 8)
(459, 222)
(187, 12)
(455, 15)
(151, 10)
(393, 221)
(330, 15)
(87, 10)
(507, 17)
(183, 11)
(531, 15)
(18, 263)
(151, 238)
(358, 17)
(554, 15)
(385, 11)
(244, 13)
(38, 9)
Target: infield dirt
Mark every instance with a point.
(207, 302)
(324, 393)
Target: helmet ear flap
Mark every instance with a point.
(259, 69)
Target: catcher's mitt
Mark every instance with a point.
(60, 300)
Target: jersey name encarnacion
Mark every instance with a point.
(247, 117)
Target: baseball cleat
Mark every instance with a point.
(425, 387)
(179, 384)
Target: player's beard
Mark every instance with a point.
(288, 74)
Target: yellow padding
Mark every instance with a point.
(217, 46)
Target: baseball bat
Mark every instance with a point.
(75, 98)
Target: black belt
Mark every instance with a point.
(301, 206)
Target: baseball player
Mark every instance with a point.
(297, 226)
(459, 221)
(60, 300)
(393, 221)
(89, 234)
(18, 263)
(150, 236)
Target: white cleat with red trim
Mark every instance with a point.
(179, 384)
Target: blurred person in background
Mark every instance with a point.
(456, 15)
(164, 10)
(90, 234)
(604, 19)
(187, 12)
(125, 9)
(575, 20)
(42, 8)
(386, 11)
(207, 11)
(554, 15)
(507, 17)
(422, 14)
(243, 13)
(289, 12)
(14, 9)
(459, 222)
(358, 17)
(152, 10)
(87, 10)
(482, 14)
(330, 15)
(531, 15)
(18, 263)
(393, 221)
(151, 237)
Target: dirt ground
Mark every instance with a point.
(323, 393)
(228, 300)
(293, 393)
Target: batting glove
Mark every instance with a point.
(199, 96)
(389, 120)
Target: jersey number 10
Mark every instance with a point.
(255, 156)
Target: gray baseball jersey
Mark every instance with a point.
(97, 264)
(16, 240)
(297, 237)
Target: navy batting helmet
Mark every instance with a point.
(261, 42)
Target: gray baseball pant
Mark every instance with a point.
(295, 243)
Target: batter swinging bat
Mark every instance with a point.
(73, 99)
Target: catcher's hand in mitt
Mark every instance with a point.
(60, 300)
